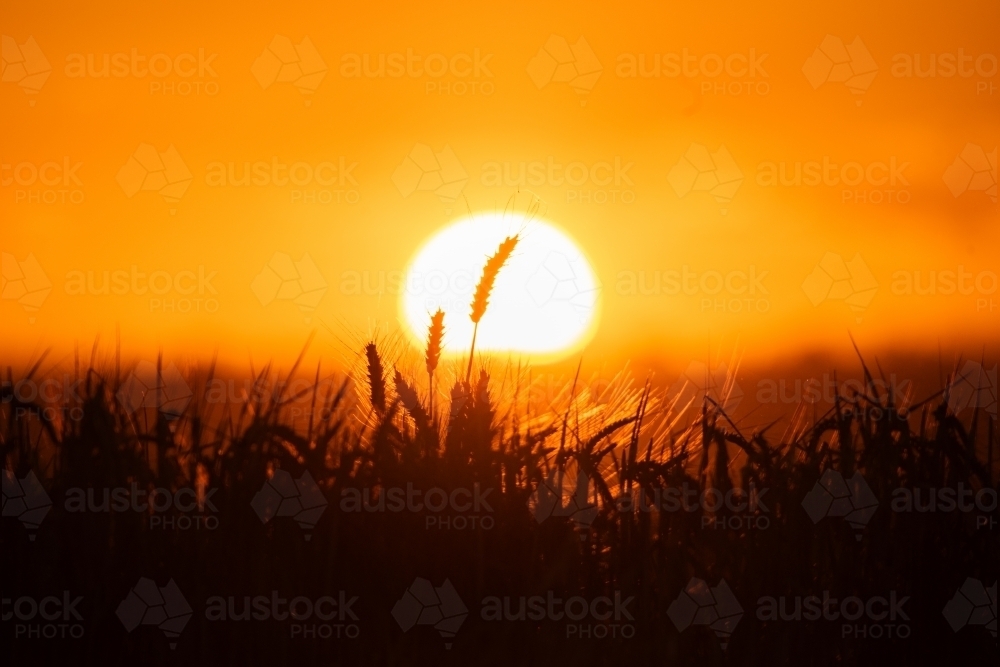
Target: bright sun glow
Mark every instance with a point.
(544, 302)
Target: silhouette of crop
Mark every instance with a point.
(564, 476)
(481, 298)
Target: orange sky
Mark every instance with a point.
(484, 81)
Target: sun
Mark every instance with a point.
(544, 304)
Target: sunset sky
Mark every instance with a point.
(664, 140)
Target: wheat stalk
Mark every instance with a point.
(482, 296)
(435, 333)
(376, 378)
(411, 401)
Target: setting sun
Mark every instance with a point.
(544, 301)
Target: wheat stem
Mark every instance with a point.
(472, 351)
(435, 333)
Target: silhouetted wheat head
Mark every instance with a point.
(376, 378)
(435, 336)
(481, 298)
